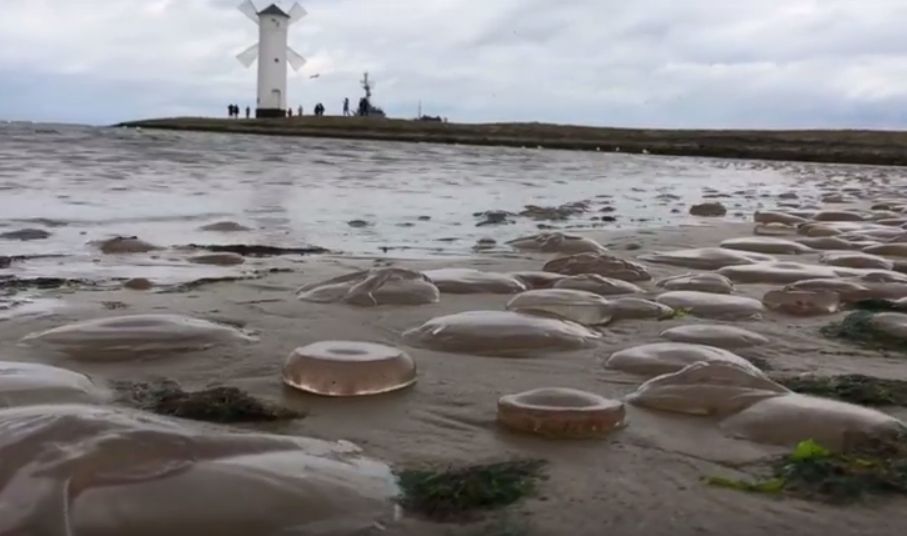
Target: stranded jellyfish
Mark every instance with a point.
(576, 305)
(894, 249)
(125, 336)
(560, 413)
(601, 264)
(778, 272)
(718, 335)
(666, 357)
(468, 281)
(638, 309)
(857, 260)
(560, 243)
(802, 302)
(704, 282)
(768, 217)
(706, 258)
(386, 286)
(32, 383)
(537, 280)
(500, 333)
(774, 246)
(603, 286)
(711, 305)
(344, 368)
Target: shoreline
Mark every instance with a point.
(866, 147)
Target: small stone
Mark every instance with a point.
(424, 218)
(710, 210)
(123, 245)
(225, 227)
(26, 234)
(357, 223)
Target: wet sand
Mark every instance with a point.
(645, 479)
(833, 146)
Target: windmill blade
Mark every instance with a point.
(295, 59)
(248, 56)
(248, 9)
(297, 12)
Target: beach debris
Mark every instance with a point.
(561, 413)
(853, 388)
(559, 243)
(775, 246)
(138, 283)
(382, 286)
(700, 282)
(601, 264)
(629, 308)
(500, 333)
(469, 281)
(125, 467)
(791, 418)
(709, 209)
(33, 383)
(224, 405)
(877, 330)
(25, 235)
(123, 245)
(706, 258)
(802, 302)
(667, 357)
(711, 305)
(718, 335)
(856, 260)
(603, 286)
(456, 494)
(348, 368)
(779, 272)
(218, 259)
(706, 388)
(123, 337)
(537, 280)
(579, 306)
(225, 227)
(254, 250)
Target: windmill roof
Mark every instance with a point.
(274, 9)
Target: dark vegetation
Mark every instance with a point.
(853, 388)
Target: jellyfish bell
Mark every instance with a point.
(500, 333)
(667, 357)
(700, 282)
(706, 258)
(538, 280)
(802, 302)
(561, 413)
(469, 281)
(778, 272)
(601, 264)
(127, 336)
(630, 308)
(386, 286)
(603, 286)
(348, 368)
(711, 305)
(775, 246)
(560, 243)
(857, 260)
(579, 306)
(34, 383)
(721, 336)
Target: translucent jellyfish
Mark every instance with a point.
(706, 388)
(891, 324)
(774, 229)
(387, 286)
(603, 265)
(719, 335)
(603, 286)
(894, 249)
(827, 242)
(777, 217)
(537, 280)
(857, 260)
(499, 333)
(818, 230)
(124, 245)
(579, 306)
(557, 243)
(218, 259)
(776, 246)
(122, 337)
(837, 215)
(802, 302)
(848, 290)
(711, 305)
(666, 357)
(345, 368)
(706, 258)
(32, 383)
(778, 272)
(792, 418)
(703, 282)
(468, 281)
(638, 309)
(73, 469)
(560, 413)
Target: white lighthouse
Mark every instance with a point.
(272, 54)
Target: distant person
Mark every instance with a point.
(289, 112)
(299, 111)
(346, 107)
(363, 107)
(230, 111)
(248, 112)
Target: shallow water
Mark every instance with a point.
(84, 184)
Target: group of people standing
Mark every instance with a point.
(233, 110)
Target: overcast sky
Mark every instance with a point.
(672, 63)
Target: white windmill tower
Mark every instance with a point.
(272, 54)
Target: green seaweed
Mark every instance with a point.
(218, 404)
(877, 305)
(853, 388)
(458, 493)
(811, 471)
(857, 328)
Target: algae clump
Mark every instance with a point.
(853, 388)
(857, 327)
